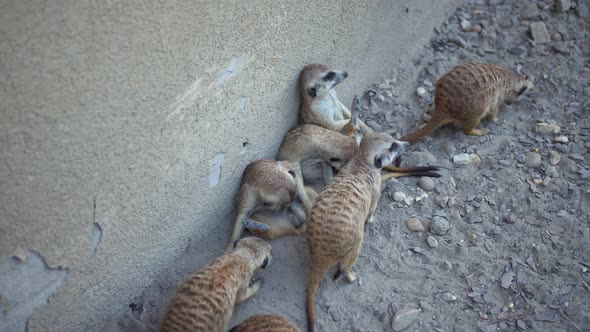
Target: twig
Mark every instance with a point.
(569, 320)
(585, 284)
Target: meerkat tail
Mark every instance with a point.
(301, 192)
(437, 120)
(315, 276)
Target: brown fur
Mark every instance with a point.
(206, 299)
(319, 103)
(268, 185)
(470, 92)
(335, 226)
(265, 323)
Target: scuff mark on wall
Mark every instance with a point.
(95, 238)
(24, 286)
(215, 170)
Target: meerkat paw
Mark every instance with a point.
(370, 220)
(255, 285)
(494, 119)
(350, 276)
(255, 225)
(477, 132)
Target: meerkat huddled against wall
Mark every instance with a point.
(265, 323)
(205, 300)
(267, 200)
(335, 225)
(469, 93)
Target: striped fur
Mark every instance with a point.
(205, 300)
(335, 226)
(265, 323)
(469, 93)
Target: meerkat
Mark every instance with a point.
(205, 300)
(334, 230)
(319, 103)
(469, 93)
(312, 145)
(268, 185)
(265, 323)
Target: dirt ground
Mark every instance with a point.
(506, 244)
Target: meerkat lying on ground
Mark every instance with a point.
(265, 323)
(311, 146)
(205, 300)
(470, 92)
(267, 194)
(319, 104)
(334, 229)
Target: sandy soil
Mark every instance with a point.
(517, 252)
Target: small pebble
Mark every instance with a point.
(562, 5)
(403, 318)
(441, 201)
(510, 218)
(432, 241)
(399, 196)
(477, 28)
(539, 32)
(448, 147)
(517, 50)
(421, 91)
(561, 139)
(465, 25)
(440, 226)
(530, 11)
(546, 128)
(556, 37)
(421, 197)
(532, 160)
(387, 94)
(426, 183)
(466, 159)
(554, 157)
(414, 225)
(449, 297)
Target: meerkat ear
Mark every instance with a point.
(522, 90)
(312, 91)
(264, 263)
(379, 161)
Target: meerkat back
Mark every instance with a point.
(265, 323)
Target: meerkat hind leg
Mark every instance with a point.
(347, 264)
(476, 132)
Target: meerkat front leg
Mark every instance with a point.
(247, 291)
(370, 217)
(493, 115)
(327, 172)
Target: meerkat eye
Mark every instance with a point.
(292, 173)
(394, 146)
(335, 160)
(329, 76)
(267, 204)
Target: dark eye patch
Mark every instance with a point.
(522, 90)
(335, 159)
(394, 146)
(267, 203)
(329, 76)
(292, 173)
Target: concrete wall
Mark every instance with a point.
(125, 126)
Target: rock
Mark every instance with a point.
(381, 98)
(449, 297)
(517, 50)
(561, 139)
(530, 11)
(465, 25)
(426, 183)
(552, 172)
(387, 94)
(403, 318)
(546, 128)
(562, 5)
(477, 28)
(510, 218)
(506, 279)
(414, 225)
(457, 40)
(432, 241)
(521, 325)
(421, 197)
(539, 32)
(421, 92)
(466, 159)
(441, 201)
(582, 9)
(554, 157)
(448, 147)
(440, 226)
(532, 160)
(557, 37)
(399, 196)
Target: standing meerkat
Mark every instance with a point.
(268, 185)
(265, 323)
(205, 300)
(469, 93)
(334, 230)
(319, 103)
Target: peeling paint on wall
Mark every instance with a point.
(24, 286)
(215, 170)
(95, 238)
